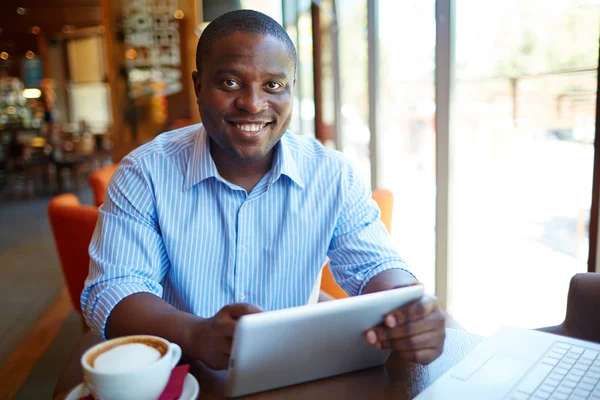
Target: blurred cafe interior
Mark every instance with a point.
(476, 118)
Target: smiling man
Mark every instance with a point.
(237, 215)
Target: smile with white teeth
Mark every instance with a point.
(250, 127)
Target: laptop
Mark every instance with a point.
(289, 346)
(521, 364)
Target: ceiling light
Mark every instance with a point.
(35, 30)
(131, 54)
(30, 54)
(32, 93)
(21, 11)
(179, 14)
(4, 55)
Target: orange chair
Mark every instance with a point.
(99, 180)
(385, 200)
(73, 225)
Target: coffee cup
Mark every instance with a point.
(130, 368)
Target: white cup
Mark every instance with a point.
(142, 383)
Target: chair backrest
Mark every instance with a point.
(73, 225)
(583, 302)
(385, 200)
(99, 180)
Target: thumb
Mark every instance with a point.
(238, 310)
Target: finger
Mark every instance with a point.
(238, 310)
(422, 356)
(430, 322)
(371, 336)
(430, 339)
(412, 311)
(420, 309)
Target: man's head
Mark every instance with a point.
(246, 65)
(245, 21)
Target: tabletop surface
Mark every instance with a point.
(396, 380)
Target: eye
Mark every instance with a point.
(231, 84)
(274, 85)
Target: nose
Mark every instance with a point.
(251, 100)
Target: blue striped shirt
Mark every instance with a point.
(172, 226)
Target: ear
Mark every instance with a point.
(197, 84)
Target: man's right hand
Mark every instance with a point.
(214, 336)
(206, 339)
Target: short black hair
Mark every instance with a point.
(245, 21)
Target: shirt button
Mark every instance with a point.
(242, 296)
(243, 249)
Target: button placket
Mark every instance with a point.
(241, 252)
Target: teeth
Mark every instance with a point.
(250, 127)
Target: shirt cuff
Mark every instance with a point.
(98, 312)
(379, 269)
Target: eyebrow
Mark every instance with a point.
(223, 71)
(278, 75)
(271, 75)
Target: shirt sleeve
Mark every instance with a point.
(127, 253)
(360, 247)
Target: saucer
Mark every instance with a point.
(190, 391)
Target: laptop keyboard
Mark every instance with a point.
(566, 372)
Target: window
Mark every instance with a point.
(523, 131)
(354, 51)
(406, 133)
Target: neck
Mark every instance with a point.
(244, 174)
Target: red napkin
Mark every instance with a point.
(174, 386)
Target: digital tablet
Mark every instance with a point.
(294, 345)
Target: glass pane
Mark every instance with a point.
(354, 52)
(522, 155)
(305, 83)
(406, 140)
(295, 127)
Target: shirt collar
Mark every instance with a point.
(201, 166)
(284, 162)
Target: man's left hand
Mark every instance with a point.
(416, 331)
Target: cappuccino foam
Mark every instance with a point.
(126, 357)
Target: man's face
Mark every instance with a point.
(244, 94)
